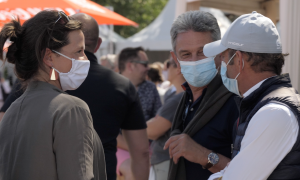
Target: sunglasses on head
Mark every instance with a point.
(62, 17)
(145, 63)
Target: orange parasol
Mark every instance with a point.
(25, 9)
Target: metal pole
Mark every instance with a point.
(111, 28)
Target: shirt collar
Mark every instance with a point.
(253, 88)
(185, 86)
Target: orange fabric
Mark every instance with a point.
(25, 9)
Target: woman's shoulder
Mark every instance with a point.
(66, 101)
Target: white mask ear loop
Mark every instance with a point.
(242, 68)
(63, 55)
(56, 69)
(230, 59)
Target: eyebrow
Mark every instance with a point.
(81, 47)
(183, 51)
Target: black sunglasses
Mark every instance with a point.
(62, 17)
(145, 63)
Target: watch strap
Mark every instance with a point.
(208, 165)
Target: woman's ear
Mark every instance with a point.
(47, 58)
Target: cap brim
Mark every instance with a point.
(213, 49)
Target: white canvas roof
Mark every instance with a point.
(156, 36)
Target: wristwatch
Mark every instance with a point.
(213, 159)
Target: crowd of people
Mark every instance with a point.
(216, 109)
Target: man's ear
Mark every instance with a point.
(47, 58)
(218, 61)
(98, 44)
(178, 70)
(240, 60)
(129, 66)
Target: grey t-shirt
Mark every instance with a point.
(167, 111)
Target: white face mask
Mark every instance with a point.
(75, 77)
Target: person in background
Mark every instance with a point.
(201, 135)
(155, 75)
(5, 90)
(267, 141)
(114, 105)
(110, 61)
(165, 70)
(46, 133)
(159, 127)
(172, 89)
(133, 64)
(15, 93)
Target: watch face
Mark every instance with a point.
(213, 158)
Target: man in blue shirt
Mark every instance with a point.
(201, 136)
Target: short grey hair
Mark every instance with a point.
(198, 21)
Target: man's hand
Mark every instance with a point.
(184, 146)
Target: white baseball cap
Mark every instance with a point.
(250, 33)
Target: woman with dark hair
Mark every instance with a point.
(46, 133)
(155, 75)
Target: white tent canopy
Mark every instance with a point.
(109, 39)
(156, 36)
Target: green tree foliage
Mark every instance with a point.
(142, 12)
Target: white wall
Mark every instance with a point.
(290, 38)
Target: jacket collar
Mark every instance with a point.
(40, 85)
(91, 57)
(265, 88)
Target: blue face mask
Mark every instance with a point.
(230, 84)
(198, 73)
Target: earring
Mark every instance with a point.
(52, 75)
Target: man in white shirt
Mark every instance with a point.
(267, 142)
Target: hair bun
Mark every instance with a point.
(11, 31)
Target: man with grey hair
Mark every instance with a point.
(201, 136)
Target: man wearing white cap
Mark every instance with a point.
(267, 142)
